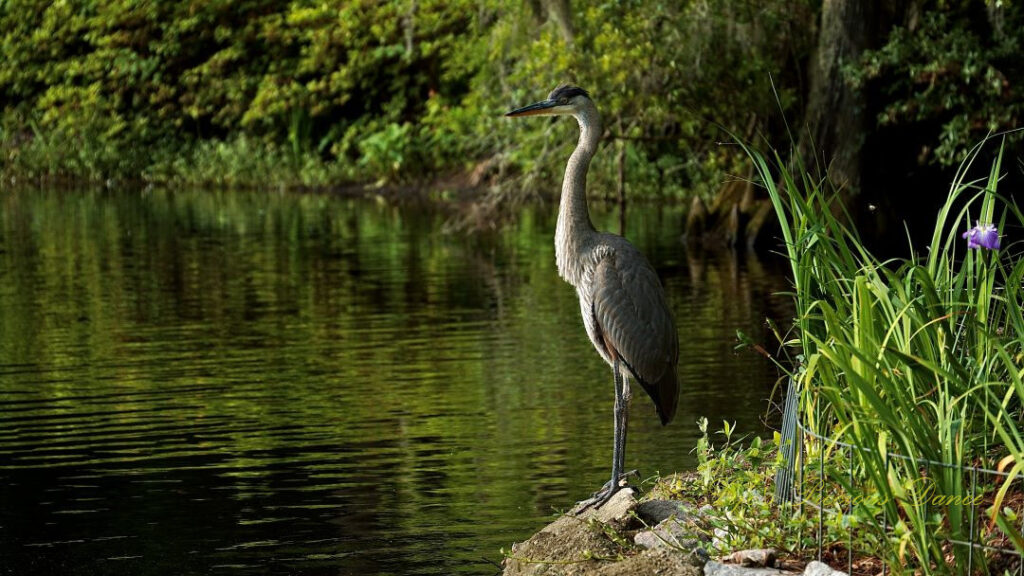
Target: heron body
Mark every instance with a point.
(621, 298)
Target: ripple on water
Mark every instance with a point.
(246, 384)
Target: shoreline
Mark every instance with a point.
(655, 534)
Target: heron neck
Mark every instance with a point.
(575, 231)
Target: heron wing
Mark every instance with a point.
(636, 325)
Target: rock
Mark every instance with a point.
(592, 544)
(662, 562)
(816, 568)
(653, 512)
(718, 569)
(671, 534)
(565, 546)
(720, 537)
(616, 510)
(759, 557)
(656, 538)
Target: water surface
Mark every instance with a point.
(241, 383)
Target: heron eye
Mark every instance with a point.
(563, 100)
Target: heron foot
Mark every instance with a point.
(597, 500)
(602, 496)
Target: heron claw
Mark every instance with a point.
(602, 496)
(597, 500)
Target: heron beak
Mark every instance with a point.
(542, 108)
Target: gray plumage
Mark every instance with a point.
(628, 317)
(621, 299)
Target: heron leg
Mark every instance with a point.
(621, 417)
(619, 443)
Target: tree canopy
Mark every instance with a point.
(256, 92)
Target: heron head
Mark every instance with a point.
(562, 100)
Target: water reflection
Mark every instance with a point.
(198, 382)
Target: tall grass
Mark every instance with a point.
(919, 357)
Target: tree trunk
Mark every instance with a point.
(561, 12)
(835, 119)
(621, 187)
(839, 118)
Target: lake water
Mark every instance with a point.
(250, 383)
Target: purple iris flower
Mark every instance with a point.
(982, 236)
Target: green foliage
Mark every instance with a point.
(918, 357)
(736, 480)
(404, 90)
(956, 71)
(663, 75)
(368, 91)
(99, 89)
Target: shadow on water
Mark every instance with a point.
(248, 384)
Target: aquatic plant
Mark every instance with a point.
(916, 356)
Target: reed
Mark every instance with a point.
(918, 357)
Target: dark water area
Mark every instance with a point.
(240, 383)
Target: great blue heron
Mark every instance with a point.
(621, 298)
